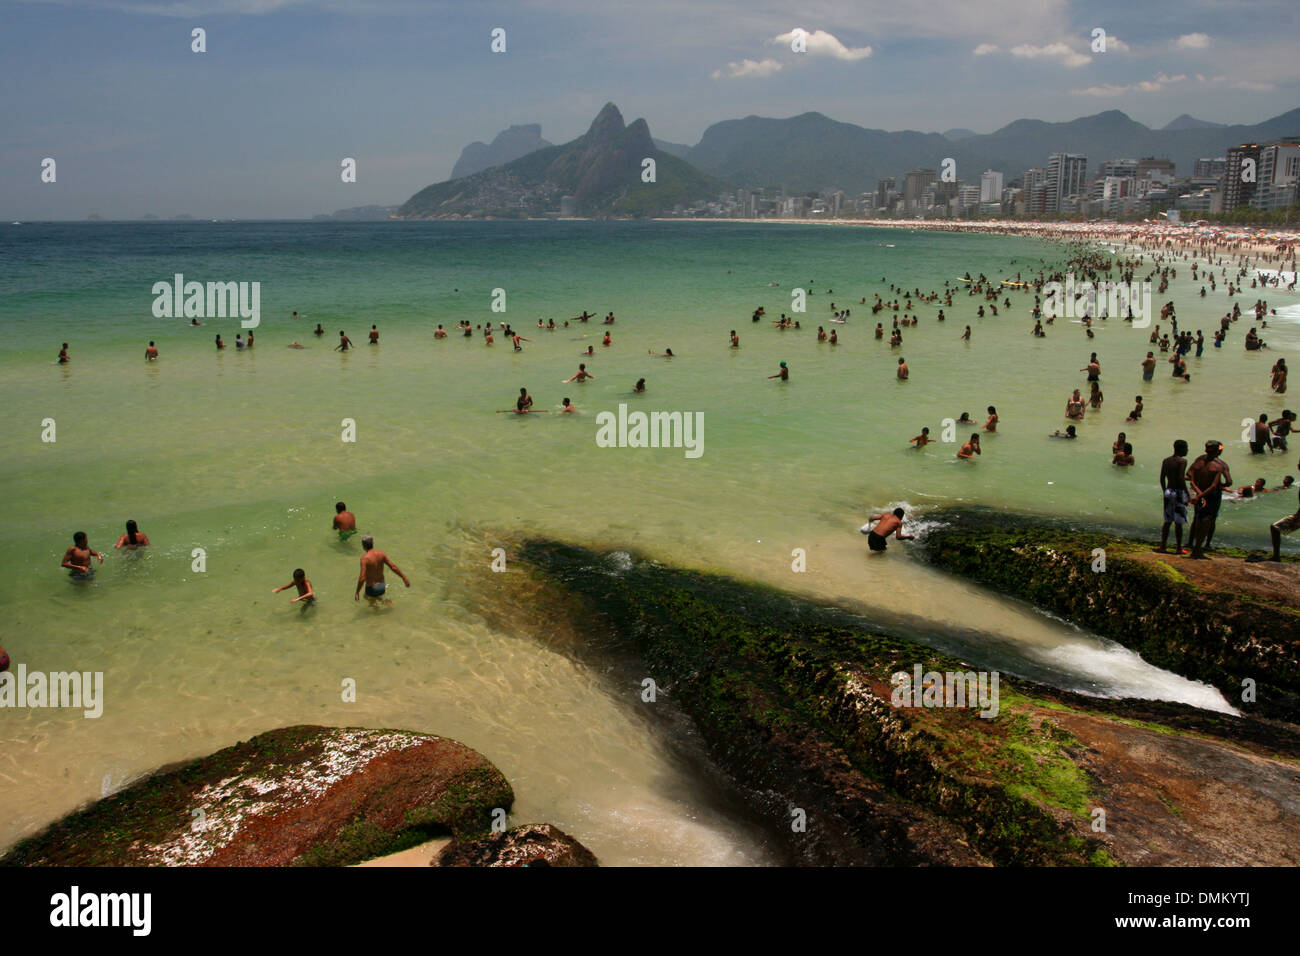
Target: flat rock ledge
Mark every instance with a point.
(534, 845)
(296, 796)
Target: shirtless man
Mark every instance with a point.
(516, 338)
(1208, 476)
(524, 402)
(923, 439)
(345, 343)
(971, 448)
(63, 354)
(568, 407)
(783, 374)
(1149, 367)
(77, 558)
(891, 523)
(438, 333)
(1280, 527)
(345, 522)
(372, 574)
(902, 370)
(735, 339)
(151, 353)
(374, 335)
(581, 375)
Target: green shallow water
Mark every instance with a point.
(239, 453)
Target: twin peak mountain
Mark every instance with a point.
(601, 171)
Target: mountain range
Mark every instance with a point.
(601, 170)
(806, 153)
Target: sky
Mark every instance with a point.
(259, 123)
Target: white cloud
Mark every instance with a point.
(1192, 41)
(747, 67)
(1162, 81)
(1114, 43)
(821, 43)
(986, 48)
(1059, 51)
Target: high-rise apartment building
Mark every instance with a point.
(1239, 176)
(990, 186)
(1066, 176)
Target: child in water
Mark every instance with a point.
(305, 592)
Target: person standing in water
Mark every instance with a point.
(134, 538)
(524, 402)
(783, 373)
(345, 343)
(371, 577)
(345, 522)
(151, 353)
(374, 335)
(581, 375)
(299, 581)
(77, 558)
(63, 354)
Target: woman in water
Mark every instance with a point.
(134, 538)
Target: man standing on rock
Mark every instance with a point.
(1173, 482)
(1208, 475)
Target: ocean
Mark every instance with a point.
(241, 454)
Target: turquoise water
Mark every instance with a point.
(240, 454)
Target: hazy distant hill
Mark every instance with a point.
(959, 133)
(509, 145)
(360, 213)
(601, 170)
(677, 149)
(1187, 121)
(813, 152)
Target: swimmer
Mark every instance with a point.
(923, 439)
(735, 339)
(77, 558)
(607, 340)
(965, 336)
(965, 419)
(1124, 457)
(783, 373)
(239, 341)
(220, 344)
(371, 577)
(591, 350)
(516, 338)
(581, 375)
(567, 406)
(1068, 433)
(63, 354)
(295, 345)
(194, 323)
(666, 353)
(992, 424)
(438, 333)
(374, 335)
(151, 353)
(345, 522)
(878, 537)
(524, 402)
(639, 387)
(971, 448)
(1136, 414)
(134, 538)
(305, 592)
(319, 330)
(345, 343)
(902, 370)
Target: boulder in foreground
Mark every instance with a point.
(302, 795)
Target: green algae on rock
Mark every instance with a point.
(1224, 634)
(302, 795)
(794, 700)
(534, 845)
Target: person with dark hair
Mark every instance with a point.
(345, 522)
(1261, 436)
(1173, 486)
(305, 592)
(639, 387)
(1208, 476)
(1123, 457)
(888, 523)
(992, 424)
(345, 343)
(63, 354)
(134, 538)
(151, 352)
(374, 335)
(77, 558)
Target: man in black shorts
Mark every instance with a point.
(877, 537)
(1208, 476)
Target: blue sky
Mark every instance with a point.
(257, 126)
